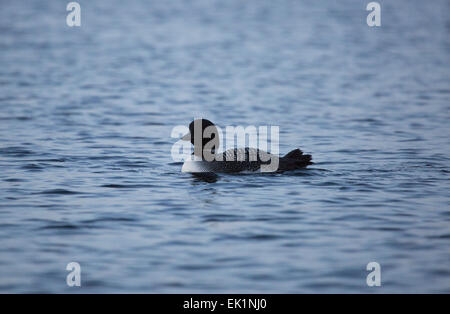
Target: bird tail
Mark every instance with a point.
(297, 157)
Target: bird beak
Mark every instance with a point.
(187, 137)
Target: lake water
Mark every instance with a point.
(86, 173)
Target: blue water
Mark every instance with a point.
(86, 173)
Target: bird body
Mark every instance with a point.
(236, 159)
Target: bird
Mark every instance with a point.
(203, 134)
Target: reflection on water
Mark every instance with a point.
(86, 172)
(205, 177)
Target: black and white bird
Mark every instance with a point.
(204, 135)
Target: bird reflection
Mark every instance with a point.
(208, 177)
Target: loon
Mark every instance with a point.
(204, 135)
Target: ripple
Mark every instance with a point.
(61, 226)
(59, 192)
(33, 167)
(127, 186)
(15, 151)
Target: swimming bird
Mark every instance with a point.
(203, 134)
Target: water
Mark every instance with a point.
(86, 173)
